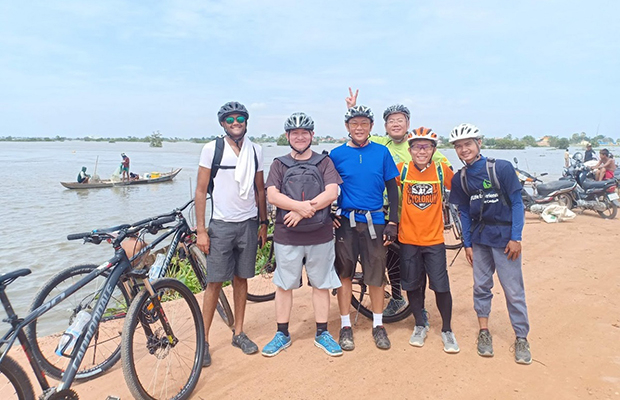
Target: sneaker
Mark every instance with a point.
(449, 342)
(485, 344)
(346, 339)
(206, 359)
(418, 336)
(394, 307)
(244, 343)
(279, 342)
(522, 351)
(427, 322)
(326, 342)
(381, 337)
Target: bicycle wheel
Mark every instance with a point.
(155, 366)
(261, 287)
(452, 230)
(45, 332)
(223, 306)
(14, 383)
(360, 299)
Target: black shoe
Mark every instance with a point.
(244, 343)
(206, 359)
(381, 337)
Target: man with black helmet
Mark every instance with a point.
(303, 185)
(366, 169)
(231, 240)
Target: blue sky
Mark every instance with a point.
(121, 68)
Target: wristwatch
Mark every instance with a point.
(264, 222)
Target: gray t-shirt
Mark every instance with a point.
(287, 236)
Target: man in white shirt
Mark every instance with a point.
(231, 240)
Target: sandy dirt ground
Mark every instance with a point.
(572, 285)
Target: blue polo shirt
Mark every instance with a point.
(494, 223)
(364, 171)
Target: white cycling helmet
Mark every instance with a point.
(464, 131)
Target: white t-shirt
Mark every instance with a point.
(227, 204)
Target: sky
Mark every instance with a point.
(120, 68)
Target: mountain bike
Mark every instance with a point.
(105, 348)
(163, 335)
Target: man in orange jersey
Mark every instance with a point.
(422, 248)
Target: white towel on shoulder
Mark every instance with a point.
(245, 169)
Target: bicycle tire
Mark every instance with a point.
(14, 383)
(104, 349)
(147, 355)
(453, 231)
(261, 287)
(223, 306)
(360, 299)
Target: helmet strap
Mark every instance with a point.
(359, 144)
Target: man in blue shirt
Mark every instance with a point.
(491, 211)
(366, 169)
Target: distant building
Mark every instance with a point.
(543, 141)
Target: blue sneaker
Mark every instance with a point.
(279, 342)
(326, 342)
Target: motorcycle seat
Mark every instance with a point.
(589, 184)
(545, 189)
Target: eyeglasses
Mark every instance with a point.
(240, 119)
(420, 147)
(356, 124)
(396, 121)
(299, 134)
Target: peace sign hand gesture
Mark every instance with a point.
(352, 99)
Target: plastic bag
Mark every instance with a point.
(557, 213)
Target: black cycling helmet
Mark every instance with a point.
(232, 107)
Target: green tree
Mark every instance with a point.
(155, 139)
(282, 140)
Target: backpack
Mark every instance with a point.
(303, 181)
(490, 165)
(216, 165)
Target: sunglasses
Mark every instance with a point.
(420, 147)
(240, 119)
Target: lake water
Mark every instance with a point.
(38, 213)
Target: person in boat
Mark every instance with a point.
(133, 177)
(125, 167)
(83, 177)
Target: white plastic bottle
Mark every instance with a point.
(157, 266)
(71, 335)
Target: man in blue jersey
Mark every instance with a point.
(488, 195)
(366, 169)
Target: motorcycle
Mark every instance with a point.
(544, 193)
(590, 194)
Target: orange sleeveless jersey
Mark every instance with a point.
(421, 221)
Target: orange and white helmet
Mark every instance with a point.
(423, 133)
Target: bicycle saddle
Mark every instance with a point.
(9, 277)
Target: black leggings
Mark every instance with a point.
(444, 304)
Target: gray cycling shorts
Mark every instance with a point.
(319, 265)
(232, 251)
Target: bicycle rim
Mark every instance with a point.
(153, 367)
(361, 298)
(45, 332)
(261, 287)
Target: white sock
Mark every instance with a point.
(377, 319)
(345, 320)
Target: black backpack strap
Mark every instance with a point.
(217, 161)
(463, 177)
(495, 181)
(314, 160)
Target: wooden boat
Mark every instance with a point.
(163, 177)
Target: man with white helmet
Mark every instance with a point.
(488, 195)
(422, 249)
(231, 173)
(303, 185)
(366, 169)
